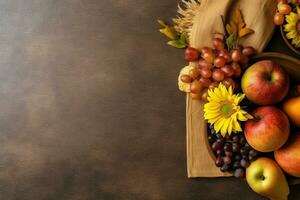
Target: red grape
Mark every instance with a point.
(229, 82)
(186, 78)
(213, 85)
(226, 54)
(205, 72)
(202, 63)
(196, 96)
(236, 55)
(205, 82)
(206, 50)
(191, 54)
(284, 8)
(209, 57)
(218, 44)
(194, 73)
(244, 59)
(204, 94)
(248, 51)
(196, 87)
(219, 61)
(218, 75)
(278, 19)
(237, 69)
(228, 70)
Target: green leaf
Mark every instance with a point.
(177, 44)
(183, 38)
(231, 41)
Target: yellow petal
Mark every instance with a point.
(224, 127)
(230, 127)
(219, 124)
(241, 117)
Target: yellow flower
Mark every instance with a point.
(292, 27)
(223, 110)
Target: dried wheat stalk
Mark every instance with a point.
(186, 13)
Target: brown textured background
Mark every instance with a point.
(89, 108)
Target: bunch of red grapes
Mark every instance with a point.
(215, 65)
(283, 8)
(233, 153)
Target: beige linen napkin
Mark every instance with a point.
(258, 15)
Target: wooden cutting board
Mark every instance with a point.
(200, 156)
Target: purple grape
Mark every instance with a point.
(244, 151)
(219, 152)
(235, 148)
(245, 163)
(225, 168)
(236, 164)
(239, 173)
(220, 141)
(253, 153)
(219, 161)
(227, 160)
(236, 138)
(228, 153)
(251, 158)
(227, 147)
(237, 157)
(243, 140)
(219, 136)
(211, 139)
(215, 146)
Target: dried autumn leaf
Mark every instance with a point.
(237, 25)
(241, 25)
(229, 29)
(237, 16)
(245, 31)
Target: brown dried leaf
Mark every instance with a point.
(237, 24)
(237, 17)
(245, 31)
(229, 29)
(234, 27)
(241, 25)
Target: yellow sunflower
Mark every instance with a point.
(292, 27)
(223, 110)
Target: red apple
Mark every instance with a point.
(288, 157)
(265, 83)
(269, 129)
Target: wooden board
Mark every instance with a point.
(200, 158)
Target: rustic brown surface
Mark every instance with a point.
(89, 105)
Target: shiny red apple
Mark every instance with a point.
(269, 130)
(288, 157)
(265, 83)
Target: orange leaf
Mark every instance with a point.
(245, 31)
(229, 29)
(237, 16)
(234, 27)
